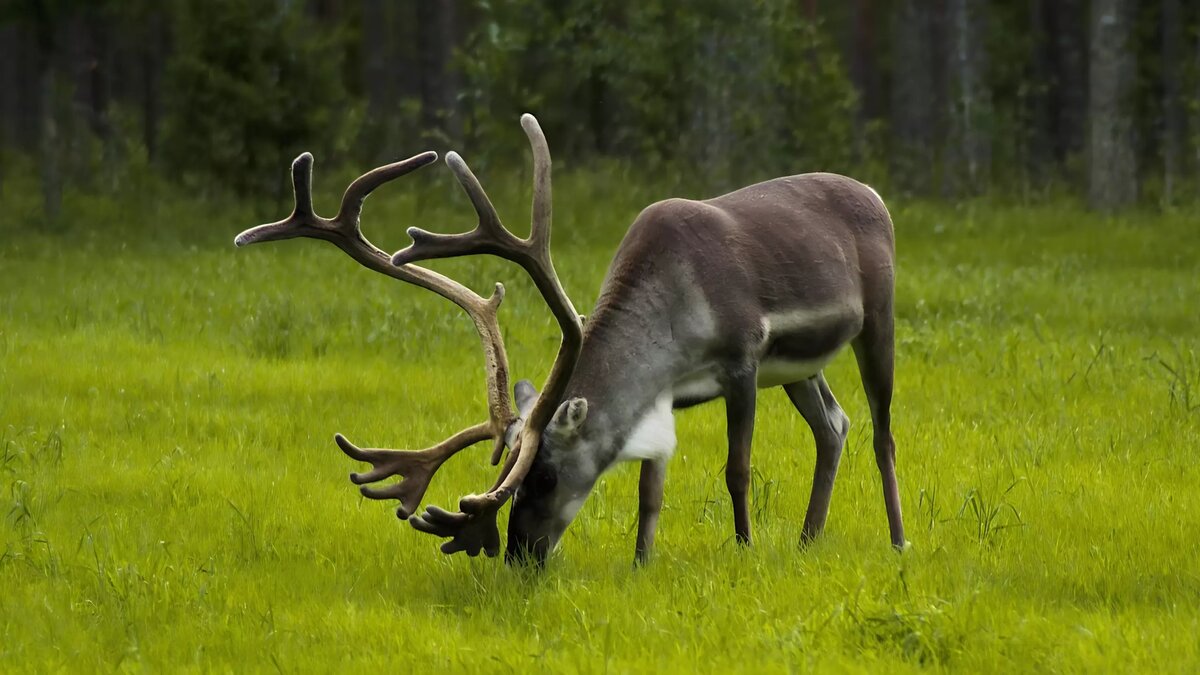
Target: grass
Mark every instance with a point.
(172, 498)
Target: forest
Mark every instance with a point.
(943, 99)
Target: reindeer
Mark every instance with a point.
(757, 288)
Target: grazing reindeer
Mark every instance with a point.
(704, 299)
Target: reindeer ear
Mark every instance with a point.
(568, 419)
(526, 395)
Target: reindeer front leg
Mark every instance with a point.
(740, 397)
(650, 499)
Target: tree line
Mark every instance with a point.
(935, 98)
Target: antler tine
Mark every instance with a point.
(489, 220)
(546, 278)
(358, 191)
(475, 528)
(416, 468)
(342, 230)
(489, 236)
(302, 221)
(302, 168)
(542, 195)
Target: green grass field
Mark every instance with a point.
(172, 498)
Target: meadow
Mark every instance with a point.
(171, 498)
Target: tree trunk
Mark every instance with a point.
(1172, 128)
(436, 40)
(1040, 133)
(48, 144)
(1112, 162)
(710, 125)
(1195, 122)
(8, 94)
(406, 75)
(1067, 24)
(45, 28)
(598, 110)
(153, 53)
(968, 155)
(912, 94)
(8, 83)
(98, 63)
(864, 72)
(28, 97)
(376, 81)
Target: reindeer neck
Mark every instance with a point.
(626, 365)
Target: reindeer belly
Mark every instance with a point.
(699, 386)
(774, 372)
(800, 344)
(797, 345)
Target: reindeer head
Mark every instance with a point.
(557, 484)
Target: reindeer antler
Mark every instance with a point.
(343, 230)
(475, 527)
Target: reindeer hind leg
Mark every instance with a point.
(874, 348)
(815, 402)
